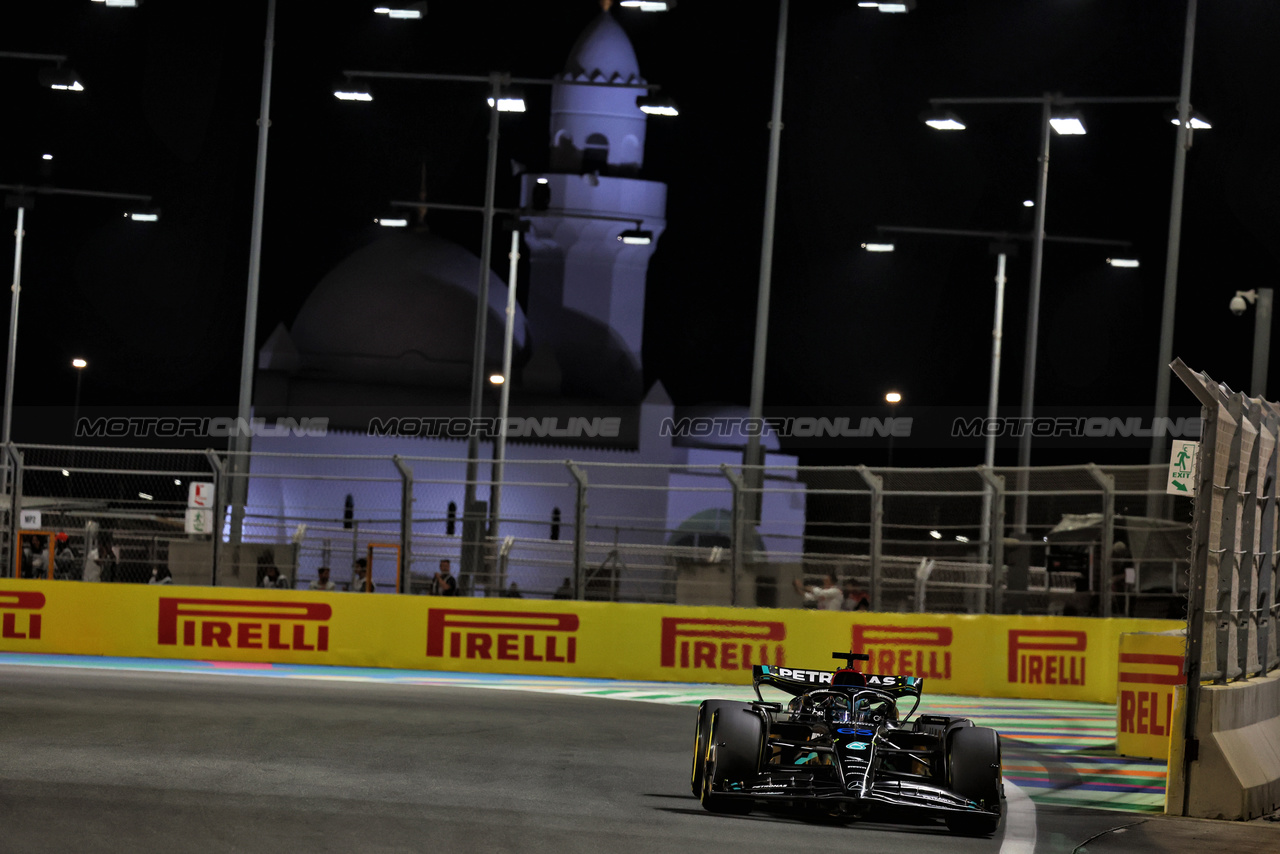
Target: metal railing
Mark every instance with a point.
(905, 539)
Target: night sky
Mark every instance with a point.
(173, 97)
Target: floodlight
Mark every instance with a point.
(937, 535)
(636, 237)
(649, 5)
(1196, 120)
(496, 379)
(657, 105)
(393, 221)
(1068, 124)
(144, 215)
(79, 363)
(893, 397)
(347, 90)
(943, 120)
(1028, 203)
(403, 12)
(61, 78)
(1123, 262)
(509, 101)
(878, 247)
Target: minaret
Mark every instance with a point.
(586, 290)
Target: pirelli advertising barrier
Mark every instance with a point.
(1045, 657)
(1152, 672)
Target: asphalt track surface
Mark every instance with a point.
(173, 762)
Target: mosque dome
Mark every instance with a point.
(603, 53)
(402, 310)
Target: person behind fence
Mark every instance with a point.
(360, 576)
(64, 558)
(854, 599)
(564, 591)
(160, 575)
(271, 577)
(103, 561)
(322, 581)
(443, 583)
(825, 598)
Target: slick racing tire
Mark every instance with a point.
(705, 711)
(973, 772)
(735, 742)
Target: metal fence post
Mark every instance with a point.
(219, 486)
(1246, 566)
(1263, 602)
(579, 529)
(406, 522)
(1108, 484)
(996, 482)
(738, 542)
(14, 456)
(875, 484)
(1228, 565)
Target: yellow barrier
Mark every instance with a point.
(1151, 668)
(1063, 658)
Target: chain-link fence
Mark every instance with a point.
(900, 539)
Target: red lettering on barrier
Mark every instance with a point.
(721, 644)
(1128, 703)
(1029, 664)
(1176, 662)
(529, 635)
(905, 650)
(12, 601)
(241, 623)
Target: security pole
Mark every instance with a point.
(406, 523)
(875, 484)
(470, 509)
(504, 396)
(13, 326)
(753, 461)
(1159, 450)
(239, 482)
(1033, 321)
(1261, 342)
(579, 526)
(993, 401)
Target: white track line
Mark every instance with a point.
(1019, 822)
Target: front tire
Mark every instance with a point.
(700, 733)
(735, 741)
(973, 772)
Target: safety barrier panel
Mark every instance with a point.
(1151, 671)
(1063, 658)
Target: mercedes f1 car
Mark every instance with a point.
(840, 747)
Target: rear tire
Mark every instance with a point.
(973, 772)
(705, 711)
(735, 741)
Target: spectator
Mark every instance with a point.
(444, 584)
(322, 581)
(160, 575)
(271, 577)
(360, 581)
(103, 562)
(64, 559)
(854, 599)
(564, 591)
(825, 598)
(513, 592)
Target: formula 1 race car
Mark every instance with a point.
(840, 747)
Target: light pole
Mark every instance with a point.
(753, 455)
(1155, 492)
(22, 198)
(892, 398)
(1261, 299)
(1057, 113)
(79, 365)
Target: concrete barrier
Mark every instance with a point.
(1236, 770)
